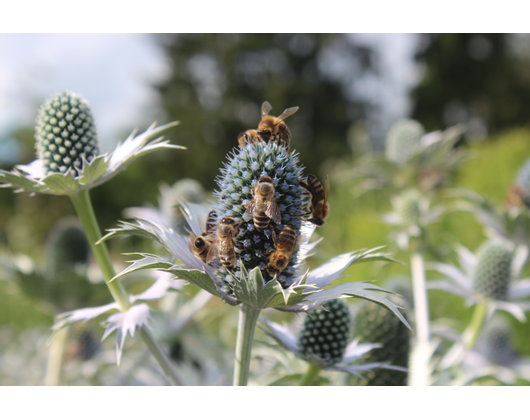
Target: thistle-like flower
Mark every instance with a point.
(68, 157)
(490, 276)
(411, 158)
(373, 325)
(323, 340)
(412, 213)
(494, 356)
(249, 280)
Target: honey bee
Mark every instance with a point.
(223, 244)
(283, 250)
(318, 206)
(200, 245)
(516, 197)
(263, 207)
(248, 137)
(210, 223)
(273, 128)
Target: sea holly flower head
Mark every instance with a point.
(411, 158)
(373, 325)
(294, 288)
(412, 213)
(491, 277)
(324, 340)
(68, 157)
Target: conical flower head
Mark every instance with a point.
(326, 333)
(492, 273)
(236, 192)
(498, 343)
(402, 139)
(66, 247)
(374, 324)
(407, 207)
(65, 133)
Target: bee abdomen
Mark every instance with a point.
(261, 221)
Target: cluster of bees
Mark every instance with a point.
(217, 241)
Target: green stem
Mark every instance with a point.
(55, 357)
(248, 317)
(473, 330)
(311, 375)
(85, 212)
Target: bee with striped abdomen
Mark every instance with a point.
(284, 248)
(263, 207)
(318, 206)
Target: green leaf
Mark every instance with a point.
(253, 291)
(61, 183)
(148, 261)
(94, 170)
(196, 277)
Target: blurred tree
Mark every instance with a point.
(478, 79)
(219, 81)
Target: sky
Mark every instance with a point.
(116, 72)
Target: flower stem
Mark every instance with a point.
(55, 357)
(85, 212)
(420, 357)
(248, 317)
(311, 375)
(473, 330)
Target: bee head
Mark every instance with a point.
(273, 271)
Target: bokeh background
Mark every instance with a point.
(350, 89)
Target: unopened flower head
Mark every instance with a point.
(402, 139)
(65, 133)
(239, 177)
(493, 270)
(499, 348)
(373, 325)
(407, 208)
(326, 332)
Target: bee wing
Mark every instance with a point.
(326, 188)
(265, 109)
(272, 210)
(287, 113)
(212, 253)
(249, 211)
(192, 241)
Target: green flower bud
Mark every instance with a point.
(498, 343)
(240, 175)
(375, 324)
(326, 333)
(407, 207)
(493, 270)
(189, 190)
(65, 133)
(66, 247)
(402, 139)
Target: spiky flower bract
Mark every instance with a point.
(374, 325)
(326, 332)
(523, 183)
(239, 176)
(402, 139)
(493, 270)
(65, 133)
